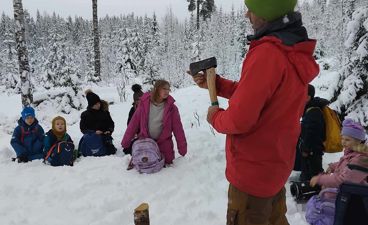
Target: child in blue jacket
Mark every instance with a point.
(27, 139)
(57, 134)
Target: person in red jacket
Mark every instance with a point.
(261, 122)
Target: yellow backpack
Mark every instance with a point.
(333, 130)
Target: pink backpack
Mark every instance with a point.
(146, 156)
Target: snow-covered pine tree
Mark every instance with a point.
(194, 5)
(203, 8)
(243, 27)
(352, 93)
(174, 62)
(152, 50)
(313, 17)
(61, 77)
(8, 55)
(193, 43)
(333, 29)
(24, 69)
(208, 7)
(178, 45)
(223, 31)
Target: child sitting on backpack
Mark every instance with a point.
(157, 117)
(57, 134)
(355, 152)
(97, 119)
(27, 139)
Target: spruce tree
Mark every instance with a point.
(352, 93)
(8, 55)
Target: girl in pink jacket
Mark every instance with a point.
(157, 117)
(355, 153)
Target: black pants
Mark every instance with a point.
(311, 166)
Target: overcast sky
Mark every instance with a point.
(112, 7)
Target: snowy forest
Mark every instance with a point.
(141, 49)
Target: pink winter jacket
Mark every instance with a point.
(340, 172)
(171, 124)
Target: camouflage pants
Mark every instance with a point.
(245, 209)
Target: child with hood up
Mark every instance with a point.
(27, 139)
(57, 134)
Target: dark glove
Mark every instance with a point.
(127, 151)
(22, 159)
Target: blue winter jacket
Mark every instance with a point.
(28, 140)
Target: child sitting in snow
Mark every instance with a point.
(157, 117)
(97, 119)
(27, 139)
(56, 135)
(137, 89)
(355, 152)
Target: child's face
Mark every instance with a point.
(29, 120)
(97, 106)
(59, 126)
(164, 92)
(349, 142)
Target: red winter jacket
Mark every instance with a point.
(262, 120)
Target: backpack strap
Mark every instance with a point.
(313, 107)
(359, 168)
(50, 151)
(23, 133)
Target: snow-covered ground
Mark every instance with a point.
(101, 191)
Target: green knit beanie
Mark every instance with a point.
(270, 9)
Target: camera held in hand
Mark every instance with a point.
(302, 191)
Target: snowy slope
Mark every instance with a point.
(101, 191)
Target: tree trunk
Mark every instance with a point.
(96, 42)
(24, 70)
(198, 2)
(141, 215)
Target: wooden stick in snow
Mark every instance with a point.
(141, 215)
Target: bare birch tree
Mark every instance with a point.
(24, 69)
(96, 43)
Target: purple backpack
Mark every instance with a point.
(320, 209)
(146, 156)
